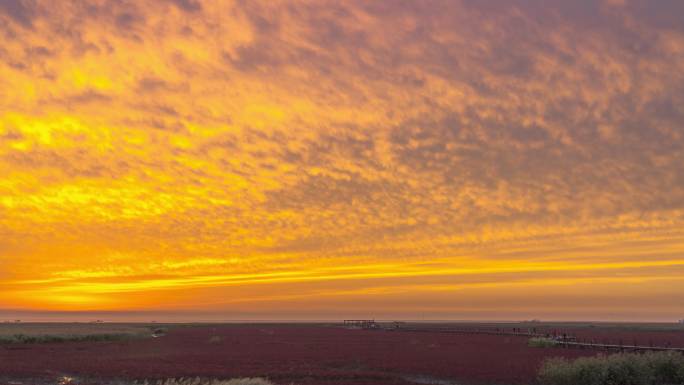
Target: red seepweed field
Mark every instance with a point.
(310, 354)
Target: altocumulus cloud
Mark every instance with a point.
(440, 147)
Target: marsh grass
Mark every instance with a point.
(200, 381)
(655, 368)
(215, 339)
(48, 338)
(541, 342)
(34, 333)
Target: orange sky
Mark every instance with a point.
(312, 159)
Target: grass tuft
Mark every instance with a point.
(659, 368)
(215, 340)
(47, 338)
(200, 381)
(541, 342)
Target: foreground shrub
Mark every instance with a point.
(662, 368)
(541, 342)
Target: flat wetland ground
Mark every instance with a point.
(71, 329)
(306, 354)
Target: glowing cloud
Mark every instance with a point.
(439, 159)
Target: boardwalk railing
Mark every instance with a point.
(563, 340)
(504, 332)
(362, 323)
(617, 347)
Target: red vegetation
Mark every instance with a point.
(300, 355)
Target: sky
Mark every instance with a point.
(460, 159)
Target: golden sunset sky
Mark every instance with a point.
(496, 159)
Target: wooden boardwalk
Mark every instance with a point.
(617, 347)
(471, 331)
(562, 342)
(362, 323)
